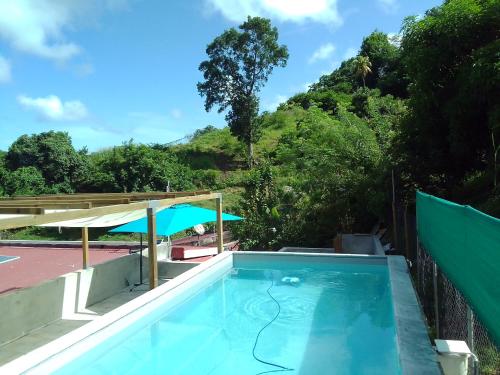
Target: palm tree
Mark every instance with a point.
(362, 66)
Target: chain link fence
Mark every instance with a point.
(451, 318)
(455, 320)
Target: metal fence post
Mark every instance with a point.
(407, 233)
(470, 328)
(394, 215)
(419, 279)
(436, 300)
(470, 338)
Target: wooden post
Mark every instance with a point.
(219, 228)
(85, 246)
(153, 264)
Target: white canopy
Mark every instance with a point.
(109, 220)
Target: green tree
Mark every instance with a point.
(136, 167)
(341, 79)
(327, 175)
(53, 154)
(362, 67)
(207, 129)
(3, 173)
(333, 164)
(25, 181)
(261, 229)
(451, 56)
(327, 100)
(387, 72)
(239, 64)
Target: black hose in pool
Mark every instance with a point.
(279, 367)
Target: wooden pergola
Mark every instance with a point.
(24, 211)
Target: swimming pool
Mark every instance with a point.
(248, 313)
(7, 258)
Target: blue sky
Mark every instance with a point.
(110, 70)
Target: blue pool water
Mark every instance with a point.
(7, 258)
(334, 319)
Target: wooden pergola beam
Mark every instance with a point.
(91, 196)
(53, 217)
(52, 205)
(94, 201)
(21, 210)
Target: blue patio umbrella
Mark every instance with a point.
(174, 219)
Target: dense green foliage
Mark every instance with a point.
(452, 59)
(140, 168)
(429, 112)
(54, 160)
(424, 105)
(48, 163)
(239, 64)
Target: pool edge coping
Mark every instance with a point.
(416, 353)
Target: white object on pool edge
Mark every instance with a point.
(290, 280)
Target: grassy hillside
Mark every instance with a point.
(218, 150)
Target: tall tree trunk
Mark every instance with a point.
(364, 86)
(250, 155)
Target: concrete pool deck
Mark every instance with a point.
(37, 264)
(43, 335)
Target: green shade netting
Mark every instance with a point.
(465, 243)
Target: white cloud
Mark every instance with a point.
(176, 113)
(389, 6)
(5, 74)
(38, 26)
(51, 108)
(350, 52)
(275, 103)
(322, 53)
(324, 11)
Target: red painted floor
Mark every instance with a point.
(37, 264)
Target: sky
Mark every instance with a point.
(106, 71)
